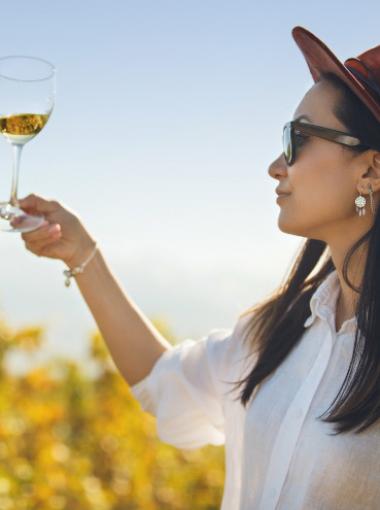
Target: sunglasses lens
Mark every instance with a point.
(287, 143)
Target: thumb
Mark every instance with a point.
(38, 204)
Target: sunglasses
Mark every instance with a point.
(296, 132)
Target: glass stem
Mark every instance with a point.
(17, 149)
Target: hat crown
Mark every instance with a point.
(371, 59)
(366, 68)
(361, 74)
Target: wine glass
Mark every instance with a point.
(27, 92)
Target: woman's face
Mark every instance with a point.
(323, 180)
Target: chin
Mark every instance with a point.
(291, 227)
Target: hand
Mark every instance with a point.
(62, 236)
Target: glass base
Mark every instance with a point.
(13, 219)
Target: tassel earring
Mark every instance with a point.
(360, 202)
(372, 205)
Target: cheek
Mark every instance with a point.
(320, 195)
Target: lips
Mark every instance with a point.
(280, 192)
(281, 195)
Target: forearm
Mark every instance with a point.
(133, 341)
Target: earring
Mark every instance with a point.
(360, 202)
(371, 199)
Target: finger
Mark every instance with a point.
(38, 204)
(42, 233)
(26, 235)
(43, 247)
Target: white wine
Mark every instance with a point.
(22, 127)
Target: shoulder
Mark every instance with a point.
(228, 344)
(230, 350)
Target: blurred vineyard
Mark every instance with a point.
(74, 442)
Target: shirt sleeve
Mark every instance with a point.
(184, 390)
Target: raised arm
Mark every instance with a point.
(134, 343)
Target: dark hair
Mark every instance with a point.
(276, 326)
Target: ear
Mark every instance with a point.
(372, 175)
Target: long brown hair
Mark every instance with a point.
(276, 325)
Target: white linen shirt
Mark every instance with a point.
(277, 454)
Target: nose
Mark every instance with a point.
(278, 167)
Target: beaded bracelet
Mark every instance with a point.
(70, 273)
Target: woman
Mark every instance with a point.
(311, 347)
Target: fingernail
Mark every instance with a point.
(54, 228)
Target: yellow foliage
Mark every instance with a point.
(68, 441)
(28, 339)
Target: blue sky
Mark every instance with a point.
(167, 116)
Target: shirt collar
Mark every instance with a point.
(323, 303)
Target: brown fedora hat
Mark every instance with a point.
(361, 74)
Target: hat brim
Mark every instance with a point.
(320, 58)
